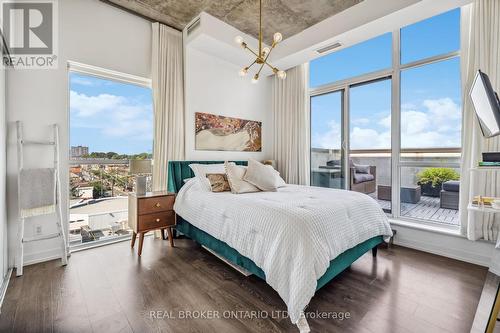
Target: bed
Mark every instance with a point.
(285, 242)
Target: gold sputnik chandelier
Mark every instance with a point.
(263, 54)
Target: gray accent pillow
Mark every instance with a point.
(362, 168)
(362, 177)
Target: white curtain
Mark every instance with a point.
(168, 101)
(480, 50)
(291, 125)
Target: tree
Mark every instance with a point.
(111, 154)
(98, 189)
(73, 187)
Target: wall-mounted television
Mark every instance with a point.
(487, 105)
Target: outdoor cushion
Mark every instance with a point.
(362, 177)
(333, 163)
(451, 186)
(362, 168)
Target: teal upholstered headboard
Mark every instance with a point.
(180, 170)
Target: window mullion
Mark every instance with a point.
(396, 124)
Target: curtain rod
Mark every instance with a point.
(150, 19)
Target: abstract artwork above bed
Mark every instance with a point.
(225, 133)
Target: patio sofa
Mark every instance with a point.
(363, 178)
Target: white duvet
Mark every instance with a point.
(292, 234)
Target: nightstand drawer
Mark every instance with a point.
(156, 220)
(156, 204)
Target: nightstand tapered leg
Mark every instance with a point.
(141, 240)
(170, 237)
(132, 243)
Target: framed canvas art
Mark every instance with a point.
(227, 134)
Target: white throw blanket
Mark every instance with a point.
(292, 234)
(38, 192)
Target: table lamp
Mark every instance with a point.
(141, 169)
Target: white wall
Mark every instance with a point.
(90, 32)
(213, 86)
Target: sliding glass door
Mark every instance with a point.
(370, 140)
(327, 154)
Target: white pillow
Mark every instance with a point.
(235, 174)
(201, 170)
(280, 181)
(262, 176)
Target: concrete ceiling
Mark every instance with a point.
(286, 16)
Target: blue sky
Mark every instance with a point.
(430, 95)
(110, 116)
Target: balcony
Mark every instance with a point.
(98, 200)
(419, 202)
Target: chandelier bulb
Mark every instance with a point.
(277, 37)
(255, 79)
(243, 71)
(281, 74)
(238, 40)
(265, 51)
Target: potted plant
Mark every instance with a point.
(432, 179)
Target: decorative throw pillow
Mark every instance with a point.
(279, 181)
(361, 168)
(201, 170)
(235, 174)
(218, 182)
(262, 176)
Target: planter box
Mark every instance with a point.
(430, 191)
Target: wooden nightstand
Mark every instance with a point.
(151, 211)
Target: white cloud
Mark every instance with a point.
(369, 138)
(445, 113)
(385, 121)
(330, 139)
(414, 122)
(115, 116)
(82, 81)
(360, 121)
(437, 123)
(84, 106)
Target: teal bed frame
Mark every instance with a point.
(180, 170)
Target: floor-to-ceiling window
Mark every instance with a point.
(111, 123)
(327, 169)
(395, 122)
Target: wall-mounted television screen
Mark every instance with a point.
(486, 104)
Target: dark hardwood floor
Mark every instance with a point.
(110, 289)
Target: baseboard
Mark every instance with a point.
(495, 262)
(3, 288)
(42, 256)
(459, 248)
(455, 247)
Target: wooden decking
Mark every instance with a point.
(427, 209)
